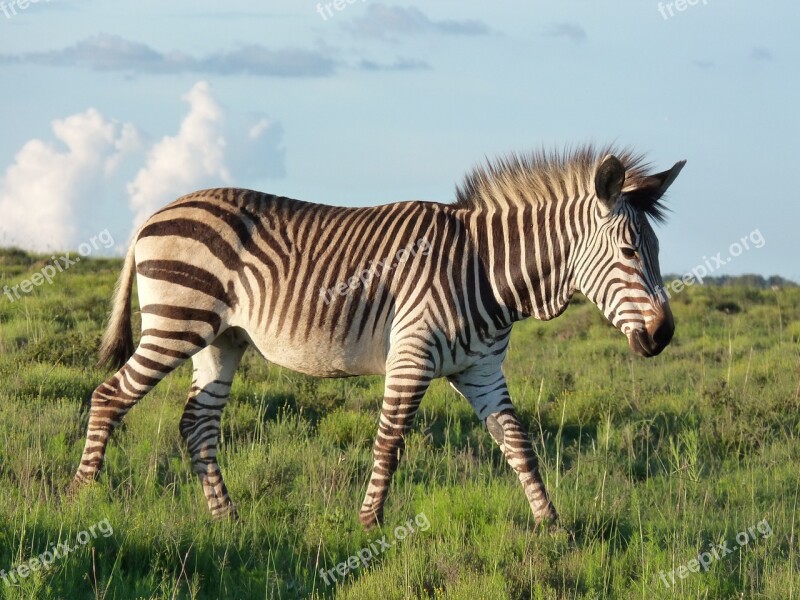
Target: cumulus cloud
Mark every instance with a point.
(199, 154)
(51, 187)
(571, 31)
(385, 22)
(97, 174)
(178, 164)
(114, 53)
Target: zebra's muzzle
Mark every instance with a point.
(639, 341)
(651, 341)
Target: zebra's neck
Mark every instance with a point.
(526, 253)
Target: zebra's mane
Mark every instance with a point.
(542, 176)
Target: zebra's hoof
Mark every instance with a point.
(370, 518)
(557, 529)
(547, 519)
(225, 513)
(75, 487)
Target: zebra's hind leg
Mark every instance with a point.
(159, 353)
(485, 389)
(214, 368)
(404, 388)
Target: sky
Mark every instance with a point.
(114, 109)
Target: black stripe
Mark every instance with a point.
(183, 313)
(186, 275)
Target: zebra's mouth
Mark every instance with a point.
(641, 343)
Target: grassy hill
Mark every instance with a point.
(651, 463)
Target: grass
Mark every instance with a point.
(648, 461)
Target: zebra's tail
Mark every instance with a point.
(117, 344)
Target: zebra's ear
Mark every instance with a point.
(665, 179)
(647, 194)
(608, 181)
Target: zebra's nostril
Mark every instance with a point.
(663, 335)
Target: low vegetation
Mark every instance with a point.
(651, 463)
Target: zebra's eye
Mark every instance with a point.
(628, 253)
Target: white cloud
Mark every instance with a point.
(571, 31)
(386, 22)
(48, 191)
(106, 52)
(179, 164)
(199, 155)
(96, 173)
(400, 64)
(257, 130)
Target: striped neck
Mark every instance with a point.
(526, 253)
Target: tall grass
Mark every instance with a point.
(648, 461)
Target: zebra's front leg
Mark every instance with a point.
(485, 389)
(404, 388)
(214, 368)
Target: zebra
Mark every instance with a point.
(411, 290)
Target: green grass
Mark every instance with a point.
(648, 462)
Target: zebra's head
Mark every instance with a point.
(616, 266)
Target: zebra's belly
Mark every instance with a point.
(323, 358)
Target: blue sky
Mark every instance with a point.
(113, 109)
